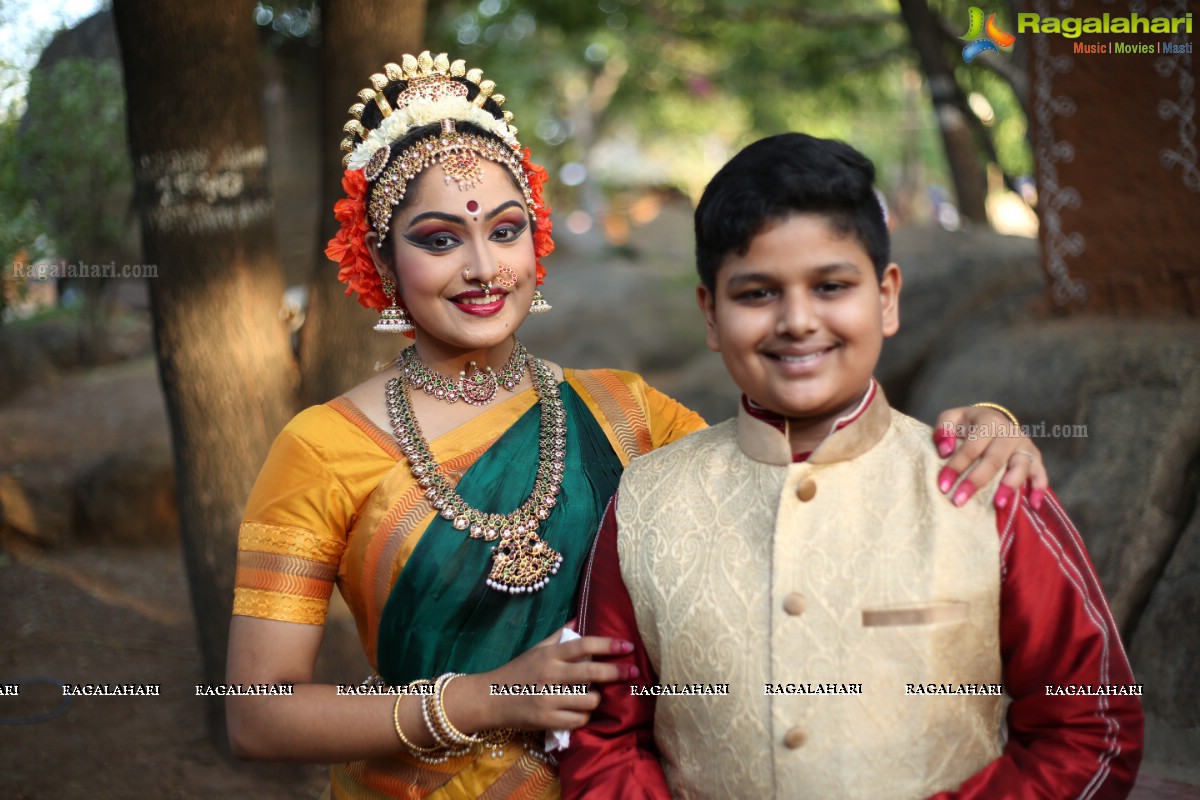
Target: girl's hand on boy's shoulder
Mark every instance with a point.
(980, 443)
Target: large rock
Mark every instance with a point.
(35, 353)
(129, 497)
(957, 285)
(86, 457)
(37, 505)
(1165, 652)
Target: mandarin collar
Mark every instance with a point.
(850, 436)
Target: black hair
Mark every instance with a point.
(792, 173)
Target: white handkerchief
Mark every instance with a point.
(558, 740)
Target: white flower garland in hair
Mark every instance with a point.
(403, 120)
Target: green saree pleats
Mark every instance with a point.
(441, 616)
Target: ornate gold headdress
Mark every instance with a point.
(435, 91)
(431, 96)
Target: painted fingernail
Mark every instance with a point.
(629, 672)
(1035, 498)
(1003, 497)
(965, 490)
(946, 479)
(622, 646)
(945, 440)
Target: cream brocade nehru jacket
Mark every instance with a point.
(851, 568)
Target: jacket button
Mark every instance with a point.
(794, 739)
(806, 491)
(794, 604)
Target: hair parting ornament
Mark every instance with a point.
(434, 92)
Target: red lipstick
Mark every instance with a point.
(487, 309)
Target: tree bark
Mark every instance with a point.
(953, 112)
(196, 137)
(338, 347)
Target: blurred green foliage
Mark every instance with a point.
(674, 87)
(74, 157)
(65, 178)
(1009, 124)
(662, 92)
(19, 224)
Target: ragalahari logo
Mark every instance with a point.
(984, 36)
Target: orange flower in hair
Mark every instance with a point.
(349, 247)
(543, 244)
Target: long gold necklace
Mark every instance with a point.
(521, 561)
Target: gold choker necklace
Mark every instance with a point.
(477, 388)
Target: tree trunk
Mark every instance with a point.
(950, 106)
(338, 348)
(196, 138)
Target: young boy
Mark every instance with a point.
(811, 617)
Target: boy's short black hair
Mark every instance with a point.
(786, 174)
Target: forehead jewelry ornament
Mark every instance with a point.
(459, 154)
(505, 278)
(473, 209)
(436, 92)
(460, 166)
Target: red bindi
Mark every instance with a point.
(472, 207)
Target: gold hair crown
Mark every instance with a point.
(435, 93)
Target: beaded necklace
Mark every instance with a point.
(521, 561)
(477, 388)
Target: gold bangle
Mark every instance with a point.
(415, 749)
(494, 739)
(453, 734)
(1001, 409)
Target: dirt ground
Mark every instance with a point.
(109, 615)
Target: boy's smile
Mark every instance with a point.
(799, 321)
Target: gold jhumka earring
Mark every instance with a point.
(393, 319)
(539, 304)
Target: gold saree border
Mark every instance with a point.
(284, 573)
(530, 778)
(281, 607)
(615, 406)
(287, 574)
(516, 775)
(346, 407)
(285, 540)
